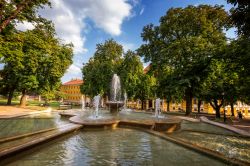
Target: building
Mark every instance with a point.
(71, 90)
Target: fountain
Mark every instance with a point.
(96, 105)
(125, 101)
(125, 109)
(83, 102)
(158, 108)
(115, 96)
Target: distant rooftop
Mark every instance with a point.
(146, 69)
(74, 82)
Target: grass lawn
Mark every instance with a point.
(36, 105)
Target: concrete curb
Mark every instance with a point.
(11, 151)
(231, 128)
(208, 152)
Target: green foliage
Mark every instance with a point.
(98, 72)
(185, 42)
(131, 70)
(238, 57)
(19, 10)
(240, 16)
(34, 61)
(146, 88)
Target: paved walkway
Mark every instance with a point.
(15, 111)
(229, 127)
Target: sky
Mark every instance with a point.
(86, 23)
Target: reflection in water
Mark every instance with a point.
(29, 124)
(113, 147)
(231, 146)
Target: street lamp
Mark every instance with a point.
(225, 118)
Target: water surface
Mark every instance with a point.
(113, 147)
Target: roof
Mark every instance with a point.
(74, 82)
(146, 69)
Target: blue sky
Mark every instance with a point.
(88, 22)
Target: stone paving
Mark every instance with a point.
(15, 111)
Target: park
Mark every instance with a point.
(179, 96)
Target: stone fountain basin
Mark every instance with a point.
(114, 105)
(93, 122)
(163, 125)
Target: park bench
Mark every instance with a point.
(65, 106)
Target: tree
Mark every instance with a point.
(146, 88)
(240, 16)
(238, 52)
(130, 73)
(37, 64)
(19, 10)
(167, 86)
(237, 55)
(186, 40)
(220, 85)
(98, 72)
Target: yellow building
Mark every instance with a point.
(71, 90)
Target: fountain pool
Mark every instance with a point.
(111, 147)
(28, 124)
(125, 145)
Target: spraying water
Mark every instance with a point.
(125, 100)
(83, 103)
(115, 88)
(96, 105)
(157, 107)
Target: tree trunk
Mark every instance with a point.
(142, 105)
(168, 106)
(10, 96)
(13, 15)
(23, 98)
(189, 97)
(199, 106)
(217, 110)
(232, 108)
(216, 106)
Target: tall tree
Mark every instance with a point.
(98, 72)
(130, 72)
(186, 40)
(146, 89)
(37, 64)
(167, 86)
(12, 11)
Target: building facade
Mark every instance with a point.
(72, 92)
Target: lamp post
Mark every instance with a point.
(225, 118)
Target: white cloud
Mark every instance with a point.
(72, 72)
(106, 14)
(23, 26)
(73, 69)
(68, 26)
(69, 17)
(141, 11)
(128, 46)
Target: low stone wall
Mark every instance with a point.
(231, 128)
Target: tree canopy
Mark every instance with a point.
(131, 71)
(12, 11)
(98, 72)
(185, 41)
(34, 61)
(240, 16)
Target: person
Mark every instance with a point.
(240, 115)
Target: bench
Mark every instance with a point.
(65, 106)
